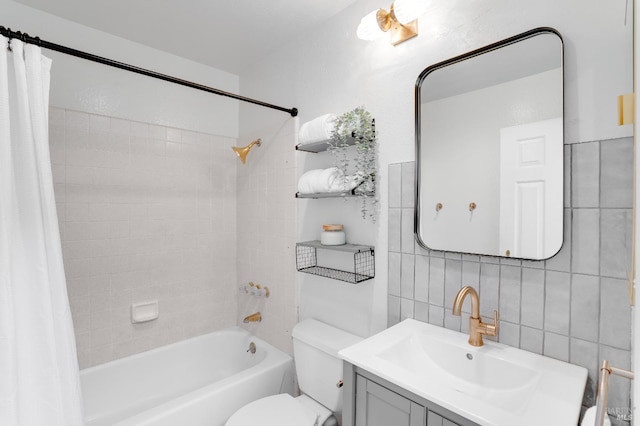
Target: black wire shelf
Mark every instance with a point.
(363, 261)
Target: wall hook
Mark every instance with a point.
(472, 206)
(439, 207)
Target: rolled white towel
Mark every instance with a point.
(344, 183)
(316, 130)
(318, 181)
(307, 181)
(325, 180)
(589, 418)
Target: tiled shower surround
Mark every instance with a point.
(266, 234)
(573, 307)
(146, 213)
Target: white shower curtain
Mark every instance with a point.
(39, 378)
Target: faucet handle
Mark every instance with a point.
(489, 329)
(496, 319)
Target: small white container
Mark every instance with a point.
(333, 235)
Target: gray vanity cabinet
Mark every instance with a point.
(437, 420)
(378, 406)
(372, 401)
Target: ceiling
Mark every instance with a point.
(228, 35)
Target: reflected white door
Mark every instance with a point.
(531, 187)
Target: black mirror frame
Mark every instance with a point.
(454, 60)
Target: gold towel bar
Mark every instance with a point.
(603, 388)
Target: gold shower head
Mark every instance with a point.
(242, 152)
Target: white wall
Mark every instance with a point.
(330, 69)
(81, 85)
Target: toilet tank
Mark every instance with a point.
(318, 366)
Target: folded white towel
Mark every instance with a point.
(589, 418)
(306, 181)
(316, 130)
(325, 180)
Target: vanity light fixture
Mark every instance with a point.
(401, 21)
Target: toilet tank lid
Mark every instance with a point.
(323, 336)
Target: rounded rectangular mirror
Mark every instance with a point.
(489, 149)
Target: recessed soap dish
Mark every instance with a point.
(144, 311)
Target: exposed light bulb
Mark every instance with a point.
(369, 28)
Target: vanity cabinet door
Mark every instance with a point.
(378, 406)
(434, 419)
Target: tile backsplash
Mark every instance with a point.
(573, 307)
(146, 213)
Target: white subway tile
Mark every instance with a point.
(158, 132)
(138, 204)
(139, 129)
(98, 123)
(76, 119)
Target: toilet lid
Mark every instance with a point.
(276, 410)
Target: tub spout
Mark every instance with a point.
(257, 317)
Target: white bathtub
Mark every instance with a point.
(200, 381)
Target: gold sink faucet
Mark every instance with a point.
(476, 327)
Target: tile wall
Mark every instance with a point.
(146, 213)
(573, 307)
(267, 232)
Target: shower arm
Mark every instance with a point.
(256, 142)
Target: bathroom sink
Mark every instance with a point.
(492, 385)
(485, 374)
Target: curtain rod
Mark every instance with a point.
(26, 38)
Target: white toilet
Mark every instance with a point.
(319, 371)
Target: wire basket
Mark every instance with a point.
(363, 262)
